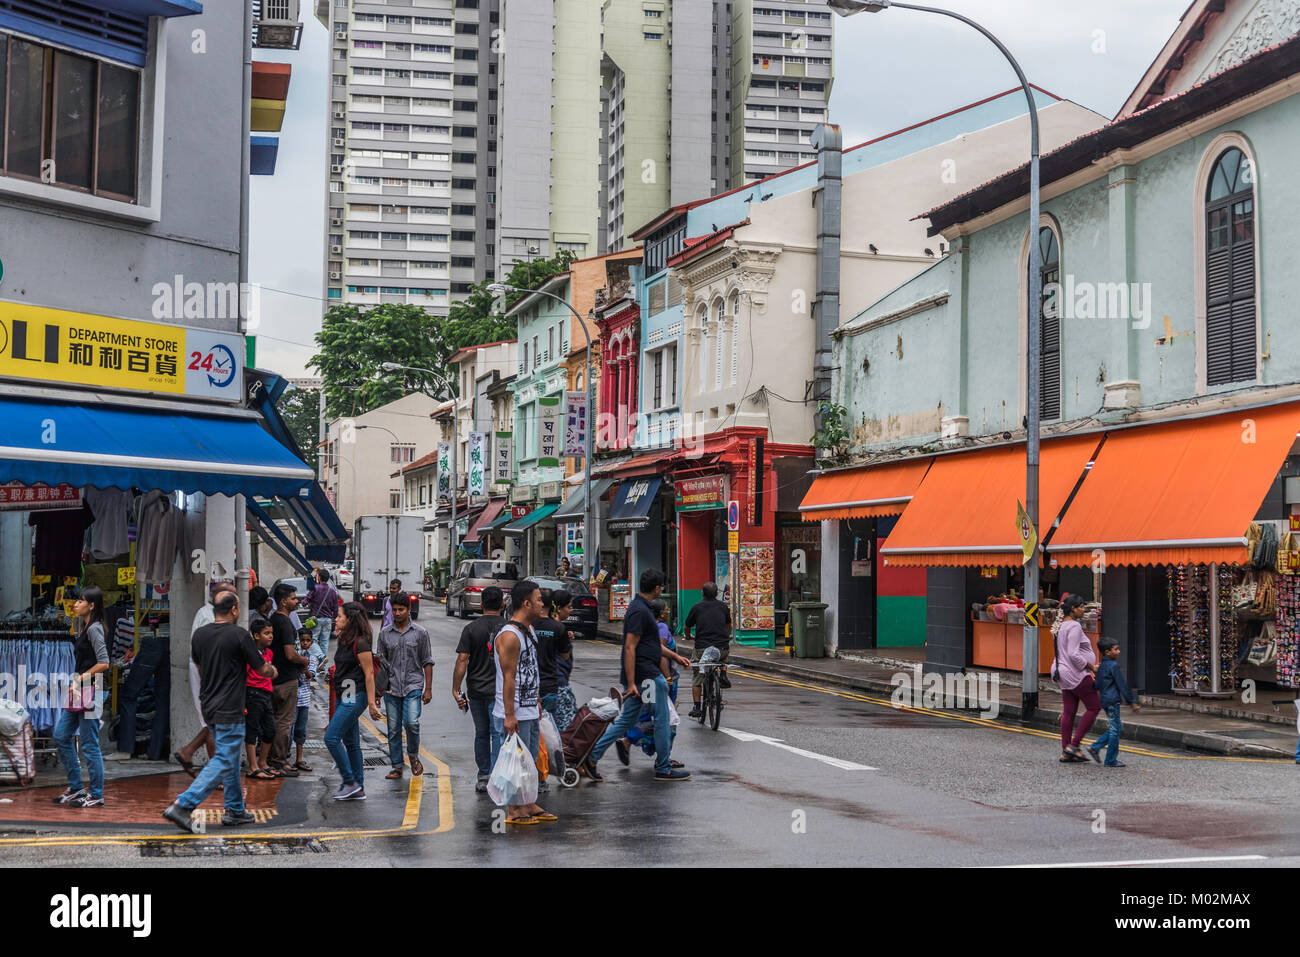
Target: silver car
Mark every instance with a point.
(465, 591)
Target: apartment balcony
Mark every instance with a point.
(429, 246)
(431, 30)
(442, 192)
(403, 108)
(441, 273)
(393, 243)
(428, 83)
(417, 136)
(393, 271)
(428, 56)
(361, 272)
(363, 189)
(362, 243)
(819, 70)
(365, 80)
(441, 166)
(394, 217)
(426, 110)
(440, 219)
(367, 53)
(363, 298)
(362, 216)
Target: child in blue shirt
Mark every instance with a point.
(1113, 689)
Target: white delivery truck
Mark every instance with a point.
(388, 547)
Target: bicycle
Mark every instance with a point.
(711, 704)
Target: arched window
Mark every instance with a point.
(719, 324)
(1049, 317)
(1230, 270)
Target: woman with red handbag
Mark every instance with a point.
(81, 715)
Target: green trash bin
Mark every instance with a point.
(808, 628)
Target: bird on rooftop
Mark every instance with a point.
(929, 252)
(873, 249)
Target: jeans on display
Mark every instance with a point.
(81, 723)
(343, 739)
(223, 769)
(402, 713)
(153, 660)
(481, 711)
(631, 714)
(530, 731)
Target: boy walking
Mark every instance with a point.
(1112, 688)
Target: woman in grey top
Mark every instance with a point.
(81, 710)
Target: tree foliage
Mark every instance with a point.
(354, 341)
(300, 409)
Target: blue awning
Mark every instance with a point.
(631, 509)
(313, 521)
(117, 29)
(154, 8)
(144, 447)
(263, 151)
(521, 525)
(276, 539)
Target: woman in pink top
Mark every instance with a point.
(1074, 667)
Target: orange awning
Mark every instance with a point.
(868, 492)
(964, 512)
(1177, 492)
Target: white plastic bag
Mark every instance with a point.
(606, 709)
(551, 734)
(12, 717)
(673, 719)
(514, 777)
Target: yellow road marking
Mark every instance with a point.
(410, 820)
(982, 722)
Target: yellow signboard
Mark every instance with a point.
(733, 542)
(126, 576)
(54, 345)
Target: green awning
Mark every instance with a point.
(502, 519)
(521, 525)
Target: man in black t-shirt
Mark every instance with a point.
(711, 620)
(289, 662)
(553, 643)
(222, 652)
(474, 662)
(644, 682)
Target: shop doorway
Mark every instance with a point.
(856, 602)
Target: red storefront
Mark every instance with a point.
(738, 465)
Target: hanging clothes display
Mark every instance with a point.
(160, 538)
(112, 508)
(34, 650)
(1288, 631)
(60, 540)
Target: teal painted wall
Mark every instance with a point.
(900, 622)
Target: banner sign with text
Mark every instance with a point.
(16, 497)
(575, 424)
(56, 346)
(444, 470)
(548, 431)
(502, 464)
(477, 467)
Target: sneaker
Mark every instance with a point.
(180, 817)
(673, 775)
(623, 754)
(233, 819)
(346, 790)
(696, 712)
(87, 801)
(68, 796)
(117, 756)
(590, 767)
(480, 785)
(358, 795)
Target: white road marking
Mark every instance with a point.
(1165, 860)
(777, 743)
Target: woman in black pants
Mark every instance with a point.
(81, 713)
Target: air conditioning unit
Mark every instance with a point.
(336, 248)
(340, 34)
(338, 141)
(340, 114)
(336, 222)
(336, 167)
(276, 24)
(335, 274)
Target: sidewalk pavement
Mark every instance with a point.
(1162, 721)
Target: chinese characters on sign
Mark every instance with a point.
(38, 498)
(477, 466)
(502, 459)
(58, 346)
(575, 424)
(548, 427)
(444, 470)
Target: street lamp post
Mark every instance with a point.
(1029, 676)
(454, 544)
(401, 472)
(588, 560)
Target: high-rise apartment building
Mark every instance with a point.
(614, 110)
(411, 205)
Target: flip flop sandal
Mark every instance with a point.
(303, 767)
(1117, 764)
(522, 820)
(394, 775)
(261, 774)
(186, 766)
(272, 773)
(546, 817)
(416, 767)
(1095, 755)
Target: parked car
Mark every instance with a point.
(300, 585)
(465, 591)
(583, 619)
(343, 576)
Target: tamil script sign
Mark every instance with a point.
(53, 345)
(575, 424)
(477, 467)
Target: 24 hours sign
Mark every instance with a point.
(53, 345)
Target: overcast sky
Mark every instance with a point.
(892, 69)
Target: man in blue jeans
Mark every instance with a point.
(222, 652)
(476, 671)
(405, 648)
(643, 682)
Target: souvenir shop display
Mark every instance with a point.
(1236, 601)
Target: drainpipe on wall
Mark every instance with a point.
(242, 549)
(826, 139)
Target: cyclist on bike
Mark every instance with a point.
(711, 620)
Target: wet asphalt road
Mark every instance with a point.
(944, 792)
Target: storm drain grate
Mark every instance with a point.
(375, 762)
(233, 848)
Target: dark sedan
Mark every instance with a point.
(582, 620)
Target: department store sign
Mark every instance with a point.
(56, 346)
